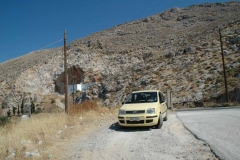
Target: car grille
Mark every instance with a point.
(149, 121)
(135, 122)
(135, 112)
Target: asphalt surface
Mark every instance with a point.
(219, 128)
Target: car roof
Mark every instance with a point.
(147, 91)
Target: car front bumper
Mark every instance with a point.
(137, 120)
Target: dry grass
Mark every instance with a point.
(46, 132)
(225, 104)
(86, 108)
(211, 104)
(25, 135)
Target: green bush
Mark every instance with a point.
(14, 110)
(32, 107)
(3, 121)
(9, 113)
(232, 82)
(219, 80)
(38, 111)
(18, 110)
(22, 105)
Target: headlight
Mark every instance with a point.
(151, 110)
(121, 112)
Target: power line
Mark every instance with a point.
(157, 5)
(165, 7)
(172, 3)
(51, 44)
(160, 2)
(145, 8)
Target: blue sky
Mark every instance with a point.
(29, 25)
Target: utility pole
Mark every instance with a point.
(65, 75)
(224, 72)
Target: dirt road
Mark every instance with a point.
(108, 141)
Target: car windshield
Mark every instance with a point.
(142, 97)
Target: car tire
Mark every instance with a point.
(160, 122)
(166, 117)
(120, 127)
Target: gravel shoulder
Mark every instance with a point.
(109, 141)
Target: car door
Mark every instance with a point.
(162, 102)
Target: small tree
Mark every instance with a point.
(32, 107)
(22, 105)
(9, 113)
(18, 110)
(14, 110)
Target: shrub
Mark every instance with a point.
(219, 80)
(14, 110)
(32, 107)
(209, 79)
(9, 113)
(232, 82)
(22, 106)
(3, 121)
(18, 110)
(52, 101)
(153, 81)
(38, 111)
(148, 67)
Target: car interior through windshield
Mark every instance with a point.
(142, 97)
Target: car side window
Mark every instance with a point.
(161, 97)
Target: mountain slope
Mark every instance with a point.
(177, 49)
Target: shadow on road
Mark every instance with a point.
(116, 127)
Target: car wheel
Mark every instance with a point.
(165, 118)
(160, 122)
(120, 127)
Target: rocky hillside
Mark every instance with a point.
(177, 49)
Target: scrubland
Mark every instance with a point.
(41, 135)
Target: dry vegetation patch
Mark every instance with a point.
(42, 135)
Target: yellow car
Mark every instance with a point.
(143, 108)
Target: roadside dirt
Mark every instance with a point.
(105, 140)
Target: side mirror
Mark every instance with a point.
(122, 103)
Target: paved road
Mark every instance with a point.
(220, 128)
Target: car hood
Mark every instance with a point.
(139, 106)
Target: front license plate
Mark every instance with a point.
(134, 119)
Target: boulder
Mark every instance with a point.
(182, 17)
(205, 44)
(190, 49)
(59, 103)
(106, 102)
(238, 75)
(234, 47)
(170, 54)
(236, 40)
(225, 52)
(82, 97)
(12, 153)
(34, 153)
